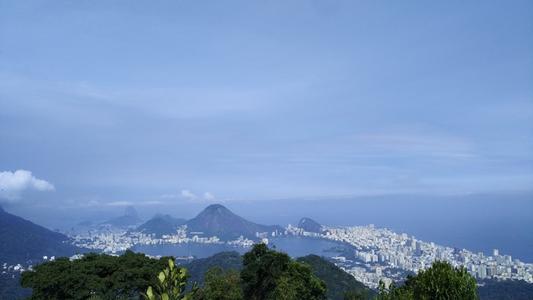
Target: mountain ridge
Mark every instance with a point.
(160, 225)
(310, 225)
(338, 282)
(129, 219)
(217, 220)
(22, 241)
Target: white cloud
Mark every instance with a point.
(120, 203)
(208, 196)
(12, 184)
(188, 195)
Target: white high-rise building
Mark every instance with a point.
(482, 272)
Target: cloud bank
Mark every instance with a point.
(208, 196)
(12, 184)
(190, 196)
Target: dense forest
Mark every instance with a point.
(260, 274)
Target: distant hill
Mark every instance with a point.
(225, 260)
(10, 287)
(161, 225)
(129, 219)
(85, 223)
(492, 289)
(22, 241)
(338, 281)
(310, 225)
(220, 221)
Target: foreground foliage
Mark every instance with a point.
(261, 274)
(171, 284)
(221, 285)
(105, 276)
(268, 274)
(226, 261)
(440, 282)
(340, 285)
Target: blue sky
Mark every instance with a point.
(147, 102)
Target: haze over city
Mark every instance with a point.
(375, 140)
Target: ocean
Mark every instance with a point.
(477, 223)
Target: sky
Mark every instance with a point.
(114, 103)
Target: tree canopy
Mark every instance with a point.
(340, 285)
(439, 282)
(268, 274)
(221, 285)
(105, 276)
(265, 275)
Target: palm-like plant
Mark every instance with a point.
(171, 285)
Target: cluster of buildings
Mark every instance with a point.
(114, 241)
(11, 269)
(294, 230)
(244, 242)
(376, 254)
(381, 254)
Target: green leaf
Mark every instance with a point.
(150, 293)
(171, 264)
(161, 277)
(183, 273)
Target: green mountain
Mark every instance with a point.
(197, 268)
(493, 289)
(10, 287)
(22, 241)
(310, 225)
(337, 281)
(220, 221)
(161, 225)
